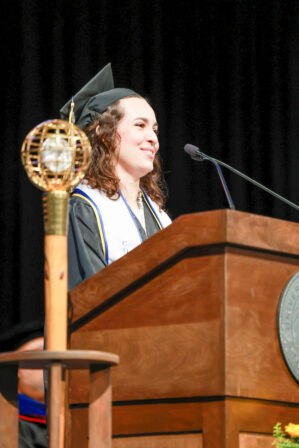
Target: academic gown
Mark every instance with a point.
(85, 251)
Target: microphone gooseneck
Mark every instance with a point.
(199, 156)
(194, 154)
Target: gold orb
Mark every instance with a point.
(56, 155)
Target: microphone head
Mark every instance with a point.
(193, 152)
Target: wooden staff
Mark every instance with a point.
(55, 215)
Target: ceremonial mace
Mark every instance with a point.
(56, 155)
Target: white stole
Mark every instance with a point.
(118, 229)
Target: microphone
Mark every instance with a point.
(199, 156)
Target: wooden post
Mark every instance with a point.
(56, 405)
(99, 408)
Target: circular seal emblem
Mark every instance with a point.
(288, 325)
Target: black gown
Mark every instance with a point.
(85, 251)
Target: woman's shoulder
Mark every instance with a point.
(82, 215)
(77, 200)
(80, 207)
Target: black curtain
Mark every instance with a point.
(222, 75)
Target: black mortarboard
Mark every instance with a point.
(94, 98)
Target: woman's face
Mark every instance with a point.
(138, 140)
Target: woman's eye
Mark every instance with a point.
(141, 125)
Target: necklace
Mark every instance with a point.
(139, 212)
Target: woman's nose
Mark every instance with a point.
(152, 137)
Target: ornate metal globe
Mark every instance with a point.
(56, 155)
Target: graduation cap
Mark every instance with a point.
(94, 98)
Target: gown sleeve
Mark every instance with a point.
(85, 252)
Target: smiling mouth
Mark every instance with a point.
(149, 151)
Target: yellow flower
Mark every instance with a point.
(292, 430)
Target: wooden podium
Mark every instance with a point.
(192, 314)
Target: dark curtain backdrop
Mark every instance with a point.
(222, 75)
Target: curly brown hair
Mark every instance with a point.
(102, 133)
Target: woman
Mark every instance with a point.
(119, 203)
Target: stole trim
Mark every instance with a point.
(81, 194)
(148, 202)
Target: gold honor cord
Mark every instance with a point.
(72, 120)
